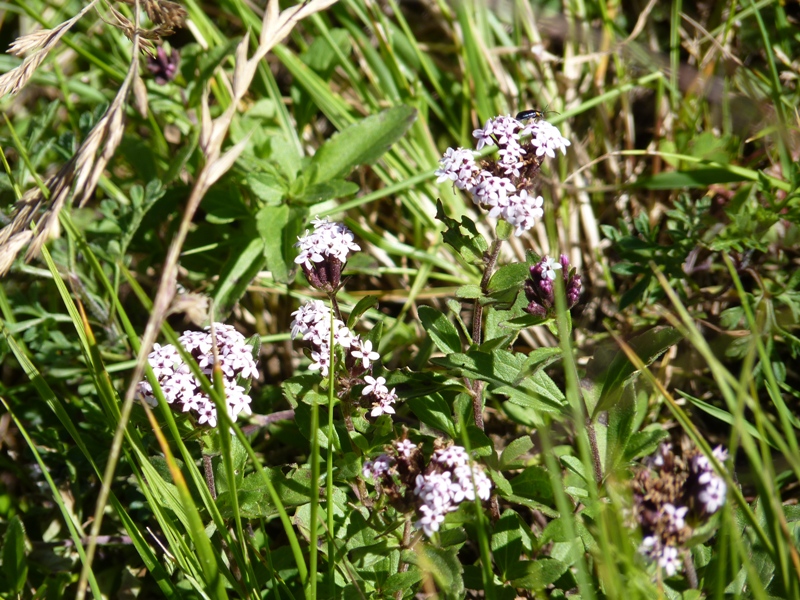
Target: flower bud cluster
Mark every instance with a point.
(672, 496)
(539, 288)
(395, 471)
(323, 253)
(450, 479)
(182, 389)
(501, 185)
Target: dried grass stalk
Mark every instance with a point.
(80, 174)
(39, 43)
(276, 26)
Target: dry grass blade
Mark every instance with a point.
(275, 27)
(81, 174)
(88, 168)
(40, 43)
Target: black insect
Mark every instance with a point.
(533, 114)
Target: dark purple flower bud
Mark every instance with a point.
(539, 289)
(326, 275)
(162, 66)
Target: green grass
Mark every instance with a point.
(677, 203)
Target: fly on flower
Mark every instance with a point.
(533, 114)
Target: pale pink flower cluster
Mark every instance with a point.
(327, 240)
(382, 397)
(182, 389)
(450, 481)
(501, 187)
(313, 322)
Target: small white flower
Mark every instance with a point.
(363, 350)
(372, 469)
(713, 495)
(405, 448)
(182, 389)
(523, 211)
(430, 521)
(675, 517)
(375, 385)
(327, 240)
(547, 139)
(458, 165)
(454, 456)
(648, 545)
(549, 267)
(669, 560)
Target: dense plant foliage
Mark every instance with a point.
(396, 300)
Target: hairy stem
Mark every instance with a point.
(477, 327)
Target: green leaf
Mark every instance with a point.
(695, 178)
(469, 292)
(723, 415)
(505, 372)
(246, 260)
(648, 346)
(536, 574)
(479, 442)
(239, 456)
(620, 426)
(402, 581)
(513, 451)
(507, 542)
(509, 277)
(360, 308)
(463, 237)
(534, 483)
(442, 564)
(434, 412)
(645, 442)
(320, 192)
(443, 333)
(267, 187)
(361, 143)
(254, 499)
(15, 563)
(279, 227)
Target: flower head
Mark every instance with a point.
(313, 322)
(323, 253)
(450, 480)
(539, 288)
(164, 67)
(503, 185)
(233, 357)
(362, 350)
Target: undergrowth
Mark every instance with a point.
(396, 300)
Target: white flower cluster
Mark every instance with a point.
(711, 494)
(451, 482)
(666, 556)
(383, 398)
(181, 387)
(313, 322)
(373, 469)
(327, 240)
(501, 187)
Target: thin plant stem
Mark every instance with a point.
(329, 491)
(477, 327)
(209, 473)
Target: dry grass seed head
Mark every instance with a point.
(81, 173)
(40, 43)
